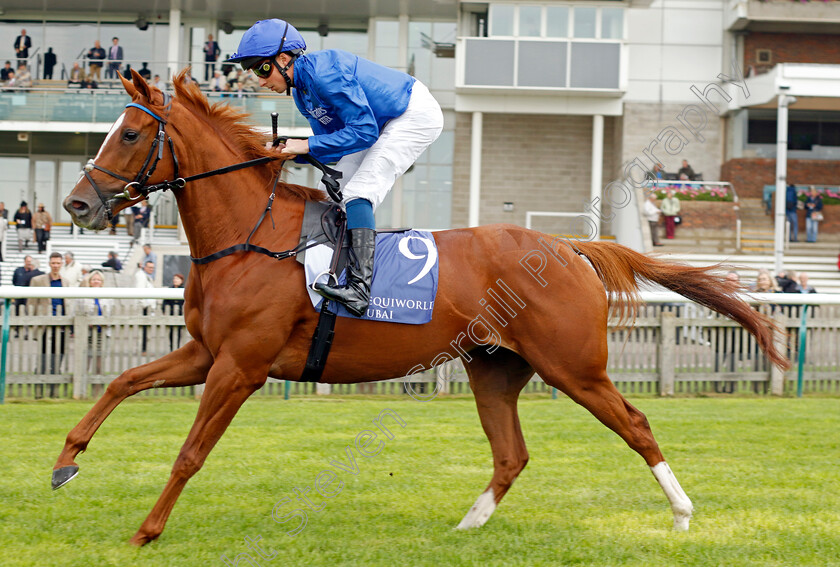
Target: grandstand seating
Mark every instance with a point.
(89, 249)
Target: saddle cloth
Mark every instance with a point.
(405, 272)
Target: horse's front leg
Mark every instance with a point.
(229, 383)
(186, 366)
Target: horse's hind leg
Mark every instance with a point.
(186, 366)
(587, 383)
(496, 380)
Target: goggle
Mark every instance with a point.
(263, 69)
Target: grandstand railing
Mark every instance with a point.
(674, 347)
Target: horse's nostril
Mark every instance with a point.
(79, 205)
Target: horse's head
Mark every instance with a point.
(135, 153)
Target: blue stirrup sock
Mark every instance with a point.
(360, 214)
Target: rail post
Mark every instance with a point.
(777, 376)
(803, 339)
(667, 352)
(80, 351)
(7, 307)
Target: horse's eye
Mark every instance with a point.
(130, 136)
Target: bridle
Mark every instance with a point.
(154, 156)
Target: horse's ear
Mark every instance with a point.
(128, 86)
(141, 85)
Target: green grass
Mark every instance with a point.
(764, 475)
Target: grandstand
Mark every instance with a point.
(90, 249)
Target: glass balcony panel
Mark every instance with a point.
(595, 65)
(557, 21)
(542, 64)
(530, 21)
(585, 21)
(489, 62)
(501, 19)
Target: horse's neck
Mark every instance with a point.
(219, 212)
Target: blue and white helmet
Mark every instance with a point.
(267, 38)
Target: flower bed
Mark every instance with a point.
(694, 191)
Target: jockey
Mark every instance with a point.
(373, 120)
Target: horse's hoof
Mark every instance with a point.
(62, 476)
(140, 539)
(480, 512)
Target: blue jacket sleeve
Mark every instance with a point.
(350, 103)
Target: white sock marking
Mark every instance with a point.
(680, 503)
(480, 512)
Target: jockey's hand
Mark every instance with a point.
(294, 147)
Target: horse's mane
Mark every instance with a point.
(230, 124)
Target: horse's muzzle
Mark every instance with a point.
(86, 212)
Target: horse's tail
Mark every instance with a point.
(621, 268)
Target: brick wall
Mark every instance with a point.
(790, 48)
(750, 175)
(537, 162)
(706, 215)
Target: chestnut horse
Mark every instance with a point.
(545, 308)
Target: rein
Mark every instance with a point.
(329, 179)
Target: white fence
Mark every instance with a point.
(675, 347)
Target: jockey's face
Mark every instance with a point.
(275, 80)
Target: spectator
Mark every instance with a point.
(686, 170)
(97, 336)
(651, 212)
(128, 218)
(734, 277)
(159, 84)
(813, 214)
(4, 72)
(3, 212)
(12, 82)
(658, 172)
(23, 220)
(803, 284)
(22, 44)
(144, 279)
(227, 67)
(4, 226)
(113, 262)
(671, 210)
(52, 338)
(786, 281)
(21, 277)
(218, 83)
(791, 204)
(211, 53)
(96, 55)
(148, 256)
(23, 78)
(145, 72)
(77, 76)
(49, 63)
(42, 221)
(174, 307)
(141, 218)
(115, 57)
(764, 283)
(72, 270)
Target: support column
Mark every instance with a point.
(595, 200)
(174, 52)
(475, 167)
(781, 179)
(402, 63)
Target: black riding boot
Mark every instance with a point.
(355, 295)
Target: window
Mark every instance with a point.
(585, 22)
(530, 20)
(501, 19)
(557, 21)
(612, 23)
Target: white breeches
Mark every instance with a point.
(371, 173)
